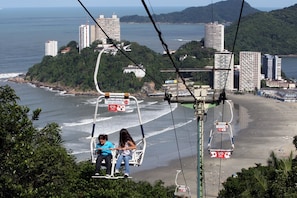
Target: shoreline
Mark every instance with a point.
(68, 90)
(21, 79)
(267, 125)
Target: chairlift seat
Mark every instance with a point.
(137, 154)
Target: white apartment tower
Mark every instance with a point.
(84, 37)
(268, 66)
(250, 70)
(224, 78)
(111, 26)
(278, 67)
(214, 36)
(51, 48)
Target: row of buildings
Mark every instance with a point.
(253, 66)
(90, 33)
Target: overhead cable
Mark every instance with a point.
(165, 46)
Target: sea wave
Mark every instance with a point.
(9, 75)
(164, 130)
(85, 122)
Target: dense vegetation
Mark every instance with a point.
(223, 11)
(272, 32)
(35, 164)
(277, 179)
(76, 70)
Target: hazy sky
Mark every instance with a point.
(153, 3)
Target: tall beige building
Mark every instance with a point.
(214, 36)
(224, 71)
(111, 26)
(250, 70)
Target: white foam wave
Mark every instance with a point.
(154, 133)
(64, 93)
(80, 152)
(152, 103)
(85, 121)
(32, 85)
(9, 75)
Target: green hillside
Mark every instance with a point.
(272, 32)
(223, 11)
(75, 70)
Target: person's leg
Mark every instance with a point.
(108, 164)
(127, 166)
(98, 163)
(119, 161)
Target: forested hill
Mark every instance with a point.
(268, 32)
(223, 11)
(75, 70)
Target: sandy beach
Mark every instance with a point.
(266, 125)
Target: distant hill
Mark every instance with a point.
(223, 11)
(271, 32)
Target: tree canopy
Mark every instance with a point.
(34, 162)
(267, 32)
(277, 179)
(76, 70)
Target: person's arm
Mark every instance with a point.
(131, 145)
(98, 149)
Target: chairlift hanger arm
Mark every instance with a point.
(106, 94)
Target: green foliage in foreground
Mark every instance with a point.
(277, 179)
(35, 164)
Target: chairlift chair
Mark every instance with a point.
(181, 190)
(116, 102)
(221, 141)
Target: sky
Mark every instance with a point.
(150, 3)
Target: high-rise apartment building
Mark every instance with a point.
(214, 36)
(111, 27)
(250, 70)
(278, 68)
(223, 71)
(272, 67)
(84, 37)
(268, 66)
(51, 48)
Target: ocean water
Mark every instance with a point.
(289, 66)
(23, 34)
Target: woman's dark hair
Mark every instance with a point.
(124, 137)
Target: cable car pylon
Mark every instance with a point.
(200, 93)
(200, 101)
